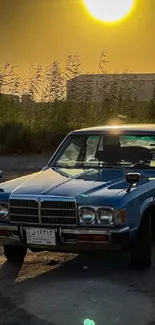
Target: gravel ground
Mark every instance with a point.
(72, 288)
(15, 166)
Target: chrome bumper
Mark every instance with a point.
(12, 239)
(86, 231)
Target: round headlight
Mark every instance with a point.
(3, 211)
(87, 216)
(105, 216)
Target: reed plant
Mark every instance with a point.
(35, 114)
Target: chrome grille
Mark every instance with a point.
(59, 221)
(46, 212)
(58, 213)
(24, 203)
(24, 211)
(57, 205)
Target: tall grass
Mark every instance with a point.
(44, 116)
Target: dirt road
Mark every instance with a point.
(74, 288)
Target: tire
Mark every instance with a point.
(142, 245)
(15, 253)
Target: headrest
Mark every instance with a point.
(99, 155)
(111, 140)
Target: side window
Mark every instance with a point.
(92, 147)
(100, 147)
(71, 152)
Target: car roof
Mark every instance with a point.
(117, 129)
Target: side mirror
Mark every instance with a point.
(132, 178)
(1, 174)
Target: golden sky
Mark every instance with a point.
(43, 30)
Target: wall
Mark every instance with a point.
(92, 87)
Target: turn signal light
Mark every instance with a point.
(120, 217)
(123, 215)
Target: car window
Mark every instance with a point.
(142, 141)
(106, 151)
(91, 147)
(70, 152)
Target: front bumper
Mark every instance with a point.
(70, 240)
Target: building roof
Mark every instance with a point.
(125, 128)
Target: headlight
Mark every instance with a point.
(3, 211)
(87, 216)
(105, 216)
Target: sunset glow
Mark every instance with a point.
(109, 11)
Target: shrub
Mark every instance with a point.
(15, 138)
(43, 118)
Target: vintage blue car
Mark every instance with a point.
(96, 193)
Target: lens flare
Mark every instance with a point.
(109, 11)
(89, 322)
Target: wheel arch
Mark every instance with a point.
(147, 205)
(150, 209)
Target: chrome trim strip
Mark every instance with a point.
(73, 231)
(49, 225)
(8, 227)
(19, 207)
(121, 230)
(54, 209)
(58, 217)
(95, 231)
(23, 223)
(134, 229)
(24, 215)
(42, 197)
(39, 210)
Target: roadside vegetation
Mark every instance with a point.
(39, 122)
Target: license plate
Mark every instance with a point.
(40, 236)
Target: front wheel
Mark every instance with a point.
(15, 253)
(142, 245)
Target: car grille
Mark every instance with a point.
(46, 212)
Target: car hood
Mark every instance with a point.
(73, 183)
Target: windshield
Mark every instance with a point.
(96, 151)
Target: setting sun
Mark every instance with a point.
(109, 11)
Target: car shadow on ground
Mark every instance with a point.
(10, 312)
(111, 267)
